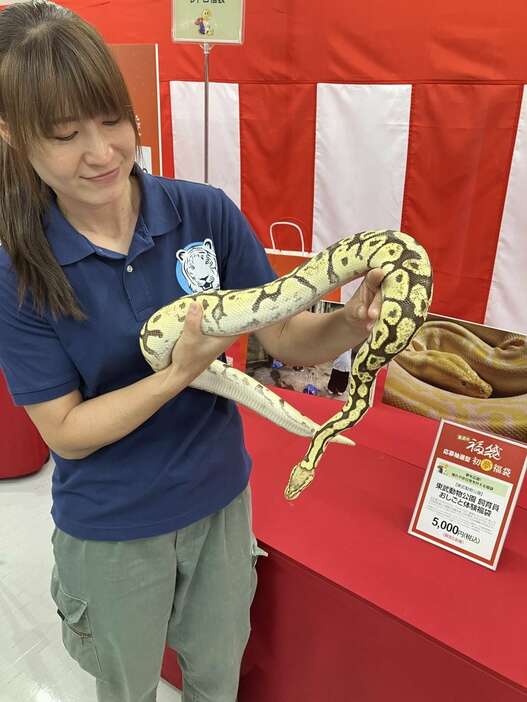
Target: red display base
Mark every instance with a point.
(350, 606)
(22, 450)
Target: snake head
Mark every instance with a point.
(298, 480)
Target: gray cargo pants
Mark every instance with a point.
(121, 601)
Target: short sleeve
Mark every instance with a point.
(35, 364)
(243, 261)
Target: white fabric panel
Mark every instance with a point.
(506, 306)
(144, 157)
(158, 92)
(360, 160)
(187, 102)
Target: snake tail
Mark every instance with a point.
(222, 379)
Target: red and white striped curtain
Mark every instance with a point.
(446, 163)
(345, 116)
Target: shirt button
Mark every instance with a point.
(129, 269)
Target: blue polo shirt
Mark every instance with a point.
(188, 460)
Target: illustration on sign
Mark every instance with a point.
(214, 21)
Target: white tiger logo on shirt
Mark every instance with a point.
(197, 267)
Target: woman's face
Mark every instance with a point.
(86, 162)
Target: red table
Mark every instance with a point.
(22, 451)
(351, 607)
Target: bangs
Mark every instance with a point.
(74, 95)
(62, 72)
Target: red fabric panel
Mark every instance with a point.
(170, 669)
(136, 21)
(350, 526)
(349, 605)
(166, 129)
(297, 41)
(140, 22)
(312, 640)
(277, 144)
(238, 352)
(459, 155)
(22, 451)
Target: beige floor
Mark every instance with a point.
(298, 380)
(259, 367)
(34, 667)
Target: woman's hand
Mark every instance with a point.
(365, 305)
(195, 351)
(310, 338)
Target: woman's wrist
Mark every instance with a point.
(170, 382)
(350, 326)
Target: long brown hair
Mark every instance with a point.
(53, 66)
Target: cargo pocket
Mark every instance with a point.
(76, 631)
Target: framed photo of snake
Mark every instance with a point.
(464, 372)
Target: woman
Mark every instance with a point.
(152, 538)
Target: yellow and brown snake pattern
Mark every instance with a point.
(406, 295)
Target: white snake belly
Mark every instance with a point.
(221, 379)
(406, 294)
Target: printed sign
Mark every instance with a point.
(208, 21)
(469, 492)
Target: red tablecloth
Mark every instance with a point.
(22, 451)
(351, 607)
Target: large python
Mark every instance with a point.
(476, 377)
(406, 294)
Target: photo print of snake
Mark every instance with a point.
(466, 373)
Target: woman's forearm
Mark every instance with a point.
(74, 428)
(102, 420)
(311, 338)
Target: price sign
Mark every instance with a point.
(469, 492)
(211, 21)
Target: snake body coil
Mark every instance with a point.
(406, 294)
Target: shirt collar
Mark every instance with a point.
(158, 215)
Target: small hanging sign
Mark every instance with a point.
(208, 21)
